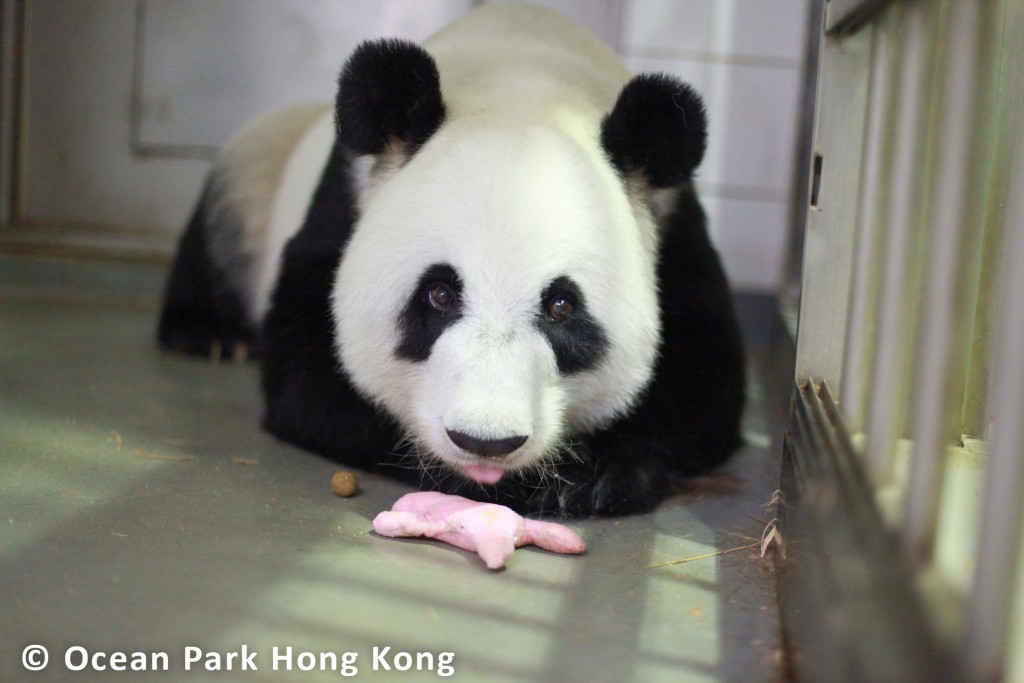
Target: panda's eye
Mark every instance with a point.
(440, 297)
(559, 307)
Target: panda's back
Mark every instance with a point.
(507, 57)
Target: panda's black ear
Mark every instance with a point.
(657, 128)
(389, 90)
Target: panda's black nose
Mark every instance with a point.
(486, 448)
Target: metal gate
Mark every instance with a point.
(905, 458)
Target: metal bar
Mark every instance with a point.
(850, 566)
(856, 350)
(1004, 73)
(848, 16)
(10, 45)
(789, 294)
(888, 376)
(949, 260)
(828, 253)
(1002, 520)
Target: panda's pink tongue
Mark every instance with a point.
(484, 474)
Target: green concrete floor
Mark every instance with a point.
(142, 510)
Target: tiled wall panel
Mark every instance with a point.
(156, 84)
(745, 57)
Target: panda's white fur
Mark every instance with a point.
(519, 186)
(517, 208)
(257, 173)
(299, 179)
(516, 197)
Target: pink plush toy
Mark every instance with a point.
(492, 531)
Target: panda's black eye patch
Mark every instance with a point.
(433, 306)
(578, 340)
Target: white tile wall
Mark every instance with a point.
(750, 235)
(267, 54)
(745, 57)
(208, 65)
(752, 115)
(759, 29)
(672, 25)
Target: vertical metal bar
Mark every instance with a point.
(949, 260)
(966, 413)
(828, 252)
(1002, 520)
(10, 44)
(888, 376)
(1006, 70)
(856, 350)
(789, 291)
(847, 16)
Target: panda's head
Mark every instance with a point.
(499, 293)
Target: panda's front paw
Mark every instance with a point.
(627, 488)
(215, 349)
(609, 489)
(208, 340)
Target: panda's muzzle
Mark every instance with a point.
(486, 448)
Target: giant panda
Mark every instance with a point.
(484, 271)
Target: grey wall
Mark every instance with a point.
(123, 101)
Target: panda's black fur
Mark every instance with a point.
(686, 422)
(392, 92)
(202, 311)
